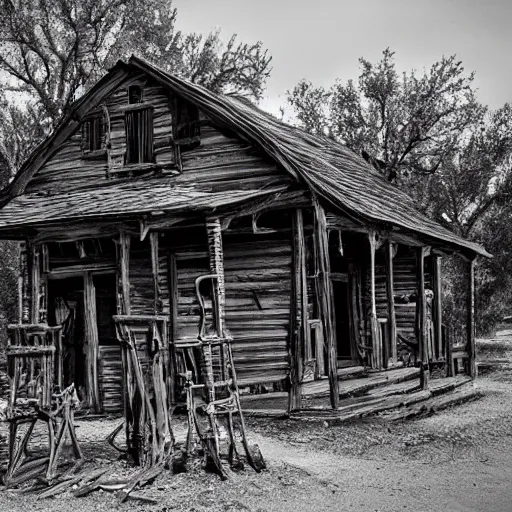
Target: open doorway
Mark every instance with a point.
(66, 308)
(340, 290)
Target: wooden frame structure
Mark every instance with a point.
(322, 265)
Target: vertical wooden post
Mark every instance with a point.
(91, 344)
(391, 300)
(216, 254)
(123, 274)
(470, 323)
(375, 329)
(299, 314)
(35, 268)
(325, 300)
(437, 307)
(153, 238)
(421, 317)
(43, 286)
(172, 276)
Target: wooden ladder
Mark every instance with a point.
(218, 386)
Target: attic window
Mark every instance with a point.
(92, 135)
(187, 128)
(134, 94)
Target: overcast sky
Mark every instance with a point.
(322, 39)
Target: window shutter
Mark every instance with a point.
(85, 143)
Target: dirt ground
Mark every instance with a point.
(459, 459)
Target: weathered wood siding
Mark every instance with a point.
(258, 294)
(221, 161)
(142, 292)
(67, 170)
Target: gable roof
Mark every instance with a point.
(330, 169)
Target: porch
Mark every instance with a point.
(362, 393)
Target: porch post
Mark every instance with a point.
(35, 275)
(391, 299)
(153, 238)
(437, 308)
(123, 274)
(421, 317)
(470, 323)
(325, 300)
(91, 343)
(216, 256)
(374, 324)
(298, 319)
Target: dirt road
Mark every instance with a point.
(456, 460)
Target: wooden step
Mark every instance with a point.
(381, 402)
(360, 385)
(437, 403)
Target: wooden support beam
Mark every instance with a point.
(390, 251)
(153, 238)
(91, 343)
(35, 275)
(299, 317)
(470, 322)
(421, 316)
(325, 300)
(123, 274)
(437, 307)
(216, 255)
(374, 325)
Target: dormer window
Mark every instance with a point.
(92, 135)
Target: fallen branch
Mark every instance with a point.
(140, 479)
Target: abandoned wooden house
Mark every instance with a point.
(324, 270)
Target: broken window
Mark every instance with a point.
(139, 135)
(93, 133)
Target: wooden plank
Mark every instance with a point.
(325, 300)
(421, 317)
(390, 293)
(470, 322)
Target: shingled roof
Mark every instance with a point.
(329, 169)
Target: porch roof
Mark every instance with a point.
(155, 195)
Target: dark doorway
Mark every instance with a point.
(66, 308)
(106, 308)
(341, 312)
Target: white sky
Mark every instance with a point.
(322, 39)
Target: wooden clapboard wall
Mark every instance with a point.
(258, 293)
(258, 290)
(142, 292)
(221, 160)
